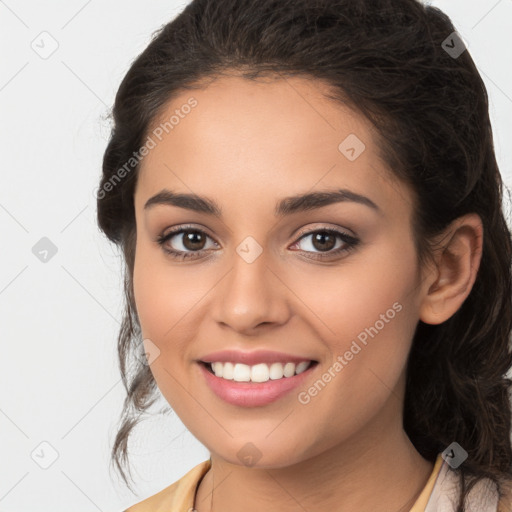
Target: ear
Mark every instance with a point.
(457, 259)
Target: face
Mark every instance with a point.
(334, 281)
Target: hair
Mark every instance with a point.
(385, 58)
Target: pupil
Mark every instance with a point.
(320, 237)
(191, 240)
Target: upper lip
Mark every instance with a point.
(252, 358)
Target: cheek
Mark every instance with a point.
(371, 315)
(168, 303)
(162, 304)
(152, 303)
(161, 294)
(371, 299)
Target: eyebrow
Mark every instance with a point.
(287, 206)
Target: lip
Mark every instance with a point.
(252, 358)
(253, 394)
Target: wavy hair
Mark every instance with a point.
(430, 111)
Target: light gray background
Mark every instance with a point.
(59, 319)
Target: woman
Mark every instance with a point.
(317, 261)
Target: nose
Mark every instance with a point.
(251, 295)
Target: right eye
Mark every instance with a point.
(191, 242)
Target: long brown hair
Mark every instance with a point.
(389, 60)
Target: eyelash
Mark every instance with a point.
(350, 242)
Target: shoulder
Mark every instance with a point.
(483, 497)
(505, 503)
(177, 496)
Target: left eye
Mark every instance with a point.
(324, 240)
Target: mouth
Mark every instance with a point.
(237, 387)
(257, 373)
(254, 378)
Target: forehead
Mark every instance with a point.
(255, 141)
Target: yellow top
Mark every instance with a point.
(180, 496)
(421, 503)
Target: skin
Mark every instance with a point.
(247, 145)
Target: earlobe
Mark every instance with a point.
(457, 258)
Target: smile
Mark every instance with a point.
(271, 383)
(262, 372)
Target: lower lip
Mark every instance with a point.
(253, 394)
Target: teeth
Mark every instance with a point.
(259, 372)
(276, 371)
(302, 367)
(217, 368)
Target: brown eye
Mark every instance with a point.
(324, 241)
(193, 240)
(185, 242)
